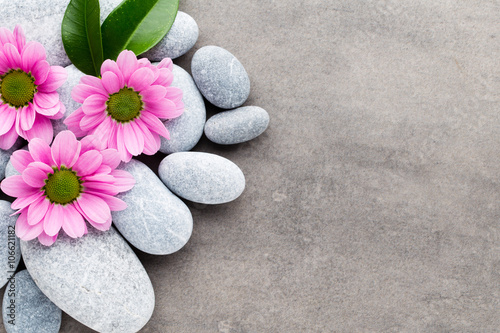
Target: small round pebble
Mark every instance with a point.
(202, 177)
(179, 40)
(10, 253)
(236, 126)
(221, 78)
(187, 129)
(25, 309)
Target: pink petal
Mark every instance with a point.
(60, 113)
(144, 62)
(8, 139)
(125, 155)
(111, 66)
(27, 117)
(94, 104)
(90, 122)
(42, 166)
(47, 240)
(73, 122)
(40, 72)
(103, 169)
(174, 94)
(153, 93)
(15, 186)
(124, 181)
(88, 163)
(82, 91)
(35, 177)
(19, 37)
(133, 140)
(163, 108)
(8, 116)
(53, 220)
(141, 79)
(32, 53)
(6, 36)
(37, 210)
(154, 124)
(111, 158)
(95, 208)
(166, 63)
(101, 226)
(127, 63)
(49, 112)
(99, 187)
(42, 128)
(12, 55)
(164, 77)
(90, 142)
(111, 82)
(73, 224)
(57, 76)
(114, 203)
(4, 63)
(102, 178)
(40, 151)
(152, 141)
(46, 100)
(102, 131)
(23, 202)
(20, 160)
(66, 149)
(25, 231)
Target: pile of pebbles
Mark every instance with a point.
(97, 279)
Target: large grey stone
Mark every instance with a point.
(41, 21)
(10, 253)
(180, 39)
(186, 130)
(221, 78)
(236, 126)
(202, 177)
(96, 279)
(25, 309)
(74, 76)
(157, 224)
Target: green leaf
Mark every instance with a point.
(137, 25)
(81, 35)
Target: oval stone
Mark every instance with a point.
(236, 126)
(5, 156)
(155, 221)
(25, 309)
(179, 40)
(202, 177)
(221, 78)
(41, 21)
(74, 76)
(10, 253)
(96, 279)
(187, 129)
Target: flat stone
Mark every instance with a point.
(25, 309)
(156, 224)
(187, 129)
(221, 78)
(97, 279)
(5, 156)
(202, 177)
(236, 126)
(10, 253)
(179, 40)
(41, 21)
(74, 76)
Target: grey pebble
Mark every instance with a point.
(187, 129)
(236, 126)
(179, 40)
(96, 279)
(74, 76)
(221, 78)
(25, 309)
(5, 156)
(202, 177)
(41, 21)
(10, 253)
(155, 221)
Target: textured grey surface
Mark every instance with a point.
(180, 39)
(186, 130)
(5, 156)
(155, 221)
(25, 309)
(10, 253)
(237, 126)
(41, 22)
(202, 177)
(74, 76)
(96, 279)
(371, 202)
(220, 77)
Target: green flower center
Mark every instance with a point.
(125, 105)
(17, 88)
(63, 186)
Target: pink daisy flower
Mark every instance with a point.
(124, 107)
(64, 185)
(28, 84)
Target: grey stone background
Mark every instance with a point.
(372, 201)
